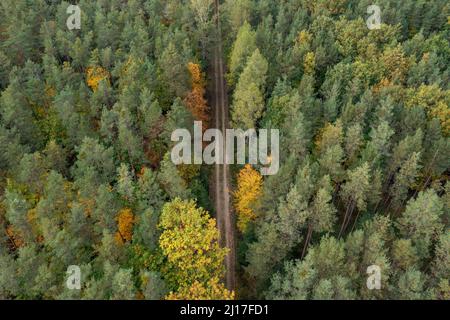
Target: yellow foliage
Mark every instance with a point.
(212, 290)
(50, 92)
(309, 63)
(329, 135)
(333, 7)
(442, 112)
(249, 185)
(188, 171)
(125, 222)
(196, 74)
(304, 37)
(94, 75)
(434, 100)
(190, 242)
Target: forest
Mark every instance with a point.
(87, 181)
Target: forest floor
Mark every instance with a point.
(221, 178)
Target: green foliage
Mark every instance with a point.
(86, 118)
(366, 110)
(85, 122)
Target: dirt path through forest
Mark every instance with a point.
(221, 178)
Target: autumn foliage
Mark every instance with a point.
(94, 75)
(15, 237)
(214, 290)
(195, 100)
(248, 191)
(190, 242)
(125, 222)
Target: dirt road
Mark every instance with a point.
(221, 177)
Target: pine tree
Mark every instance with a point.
(421, 221)
(248, 101)
(243, 48)
(354, 192)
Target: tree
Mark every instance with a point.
(86, 118)
(353, 142)
(94, 75)
(189, 240)
(129, 141)
(202, 10)
(150, 114)
(322, 213)
(173, 75)
(17, 115)
(238, 13)
(378, 147)
(243, 48)
(421, 221)
(405, 179)
(309, 63)
(294, 283)
(277, 235)
(123, 286)
(213, 290)
(170, 179)
(249, 184)
(125, 184)
(321, 275)
(125, 222)
(404, 254)
(94, 165)
(148, 192)
(411, 286)
(248, 101)
(195, 100)
(154, 287)
(354, 192)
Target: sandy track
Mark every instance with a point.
(221, 177)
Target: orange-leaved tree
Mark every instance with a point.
(195, 100)
(249, 185)
(125, 223)
(94, 75)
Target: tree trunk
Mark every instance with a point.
(307, 240)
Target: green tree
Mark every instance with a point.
(243, 47)
(421, 221)
(248, 101)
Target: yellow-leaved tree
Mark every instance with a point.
(213, 290)
(249, 185)
(189, 240)
(434, 100)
